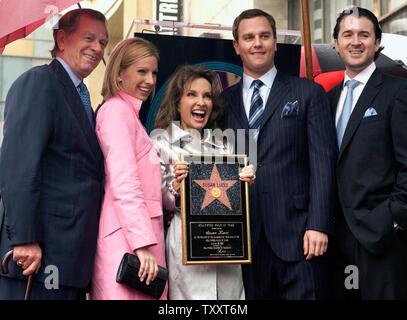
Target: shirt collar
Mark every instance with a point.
(267, 78)
(363, 76)
(133, 101)
(75, 79)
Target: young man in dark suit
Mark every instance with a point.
(370, 110)
(51, 167)
(288, 122)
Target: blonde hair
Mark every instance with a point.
(123, 56)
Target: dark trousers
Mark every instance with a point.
(270, 278)
(379, 277)
(13, 289)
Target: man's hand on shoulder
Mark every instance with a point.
(315, 244)
(28, 257)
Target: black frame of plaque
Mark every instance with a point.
(226, 232)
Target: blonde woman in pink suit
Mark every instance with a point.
(131, 218)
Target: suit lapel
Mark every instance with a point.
(278, 92)
(336, 93)
(370, 91)
(238, 107)
(75, 103)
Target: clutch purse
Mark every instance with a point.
(127, 274)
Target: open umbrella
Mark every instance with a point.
(18, 18)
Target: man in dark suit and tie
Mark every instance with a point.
(287, 121)
(369, 260)
(51, 167)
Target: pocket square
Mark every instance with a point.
(289, 109)
(370, 113)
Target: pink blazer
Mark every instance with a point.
(131, 216)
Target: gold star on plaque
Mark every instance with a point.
(215, 189)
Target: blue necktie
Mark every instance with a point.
(256, 108)
(84, 94)
(346, 111)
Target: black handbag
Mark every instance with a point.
(127, 274)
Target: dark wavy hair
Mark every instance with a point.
(181, 78)
(360, 12)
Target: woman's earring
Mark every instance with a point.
(119, 79)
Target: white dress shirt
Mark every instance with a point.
(267, 79)
(363, 77)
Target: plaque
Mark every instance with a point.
(215, 210)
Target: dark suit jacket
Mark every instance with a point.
(372, 162)
(51, 174)
(294, 188)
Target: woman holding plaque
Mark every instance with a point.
(192, 103)
(131, 219)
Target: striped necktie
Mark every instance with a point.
(256, 108)
(84, 94)
(346, 110)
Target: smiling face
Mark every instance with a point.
(256, 46)
(139, 79)
(195, 105)
(83, 49)
(356, 43)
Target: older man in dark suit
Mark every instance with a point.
(370, 110)
(51, 167)
(291, 203)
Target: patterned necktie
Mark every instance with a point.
(84, 94)
(256, 108)
(346, 111)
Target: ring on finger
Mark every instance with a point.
(19, 263)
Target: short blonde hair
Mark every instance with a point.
(123, 56)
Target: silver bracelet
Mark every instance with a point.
(172, 190)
